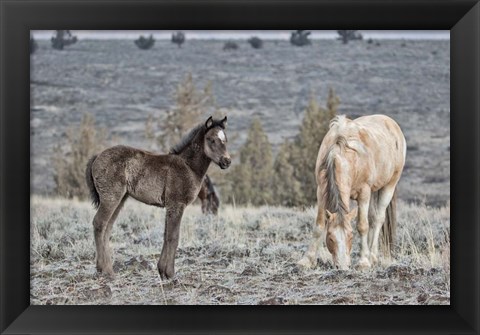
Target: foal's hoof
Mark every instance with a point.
(305, 262)
(363, 264)
(166, 276)
(166, 273)
(110, 275)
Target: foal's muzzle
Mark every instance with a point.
(224, 162)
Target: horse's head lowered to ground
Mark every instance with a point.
(339, 237)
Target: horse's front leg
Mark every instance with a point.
(309, 260)
(166, 264)
(363, 226)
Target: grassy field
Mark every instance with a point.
(243, 256)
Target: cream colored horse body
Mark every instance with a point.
(356, 157)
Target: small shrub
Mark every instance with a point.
(255, 42)
(69, 166)
(230, 45)
(178, 38)
(300, 38)
(145, 43)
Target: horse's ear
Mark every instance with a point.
(209, 122)
(224, 122)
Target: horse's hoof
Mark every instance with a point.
(305, 262)
(373, 259)
(363, 264)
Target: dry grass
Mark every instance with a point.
(243, 256)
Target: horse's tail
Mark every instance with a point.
(389, 226)
(91, 186)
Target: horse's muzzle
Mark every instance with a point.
(224, 162)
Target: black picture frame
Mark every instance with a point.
(461, 17)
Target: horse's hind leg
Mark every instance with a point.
(100, 224)
(319, 235)
(385, 195)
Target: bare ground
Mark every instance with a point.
(243, 256)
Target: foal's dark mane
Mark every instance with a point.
(186, 140)
(192, 134)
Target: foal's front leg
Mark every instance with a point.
(166, 264)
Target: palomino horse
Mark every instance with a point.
(208, 197)
(359, 159)
(172, 181)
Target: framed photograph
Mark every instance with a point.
(332, 172)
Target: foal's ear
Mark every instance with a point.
(224, 122)
(209, 122)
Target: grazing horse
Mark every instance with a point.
(172, 181)
(359, 159)
(208, 197)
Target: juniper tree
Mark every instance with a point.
(349, 35)
(314, 126)
(191, 106)
(252, 178)
(255, 42)
(178, 38)
(145, 43)
(300, 38)
(286, 189)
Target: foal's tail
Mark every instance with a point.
(91, 186)
(390, 225)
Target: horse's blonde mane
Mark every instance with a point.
(338, 122)
(332, 195)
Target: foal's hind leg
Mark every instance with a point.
(100, 224)
(108, 232)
